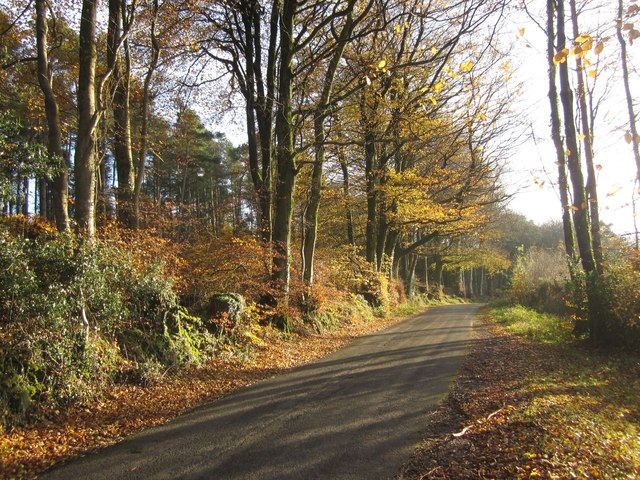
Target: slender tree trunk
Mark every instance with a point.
(286, 168)
(556, 135)
(580, 207)
(54, 137)
(85, 154)
(372, 199)
(252, 74)
(144, 108)
(265, 95)
(322, 111)
(426, 274)
(587, 132)
(347, 199)
(596, 301)
(121, 79)
(633, 127)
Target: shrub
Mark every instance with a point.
(75, 316)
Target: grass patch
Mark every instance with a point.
(541, 327)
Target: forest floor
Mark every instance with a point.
(522, 408)
(61, 435)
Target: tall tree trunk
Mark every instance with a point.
(556, 135)
(580, 207)
(60, 182)
(347, 199)
(250, 13)
(85, 154)
(121, 79)
(144, 108)
(587, 132)
(321, 113)
(596, 301)
(286, 168)
(633, 128)
(372, 198)
(25, 195)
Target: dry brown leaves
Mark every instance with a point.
(125, 409)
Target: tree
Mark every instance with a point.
(556, 135)
(85, 162)
(320, 134)
(596, 297)
(54, 136)
(120, 65)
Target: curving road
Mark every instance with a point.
(355, 414)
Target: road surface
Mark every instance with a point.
(355, 414)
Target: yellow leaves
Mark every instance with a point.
(434, 101)
(585, 42)
(561, 56)
(582, 45)
(628, 137)
(567, 152)
(521, 32)
(382, 64)
(581, 136)
(466, 66)
(592, 73)
(438, 87)
(398, 29)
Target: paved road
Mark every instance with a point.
(355, 414)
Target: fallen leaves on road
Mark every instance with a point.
(27, 451)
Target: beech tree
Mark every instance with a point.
(119, 62)
(54, 134)
(598, 314)
(85, 162)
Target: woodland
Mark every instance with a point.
(137, 241)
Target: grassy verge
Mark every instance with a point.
(533, 403)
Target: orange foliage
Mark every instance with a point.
(29, 226)
(148, 246)
(226, 264)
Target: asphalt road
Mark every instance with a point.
(355, 414)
